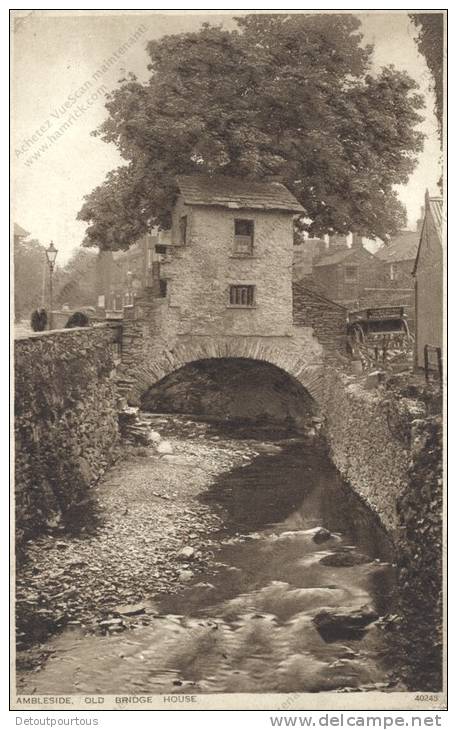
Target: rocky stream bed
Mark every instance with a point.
(211, 559)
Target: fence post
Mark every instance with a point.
(440, 363)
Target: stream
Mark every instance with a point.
(296, 544)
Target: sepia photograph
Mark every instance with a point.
(228, 248)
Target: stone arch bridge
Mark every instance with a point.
(146, 357)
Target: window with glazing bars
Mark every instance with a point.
(242, 295)
(244, 237)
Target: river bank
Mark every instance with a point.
(142, 514)
(253, 537)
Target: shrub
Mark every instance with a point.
(77, 319)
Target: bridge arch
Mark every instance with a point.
(303, 364)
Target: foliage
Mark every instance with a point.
(288, 97)
(39, 320)
(430, 43)
(29, 263)
(75, 282)
(77, 319)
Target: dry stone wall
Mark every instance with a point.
(387, 443)
(65, 422)
(327, 318)
(369, 431)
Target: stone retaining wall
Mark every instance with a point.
(65, 422)
(365, 447)
(387, 443)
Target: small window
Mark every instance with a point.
(183, 229)
(160, 253)
(393, 272)
(351, 273)
(244, 237)
(242, 295)
(163, 288)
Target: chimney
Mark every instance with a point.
(337, 241)
(320, 247)
(357, 241)
(421, 219)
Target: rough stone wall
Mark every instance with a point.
(370, 437)
(387, 443)
(200, 273)
(65, 422)
(420, 563)
(327, 318)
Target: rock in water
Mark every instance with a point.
(267, 448)
(164, 448)
(345, 559)
(335, 624)
(322, 535)
(154, 437)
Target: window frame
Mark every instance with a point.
(350, 279)
(235, 298)
(241, 238)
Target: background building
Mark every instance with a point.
(428, 275)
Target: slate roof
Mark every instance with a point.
(435, 206)
(335, 258)
(19, 231)
(234, 192)
(402, 247)
(298, 286)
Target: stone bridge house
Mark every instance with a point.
(228, 291)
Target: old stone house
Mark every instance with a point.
(341, 273)
(398, 256)
(19, 233)
(230, 271)
(428, 276)
(394, 285)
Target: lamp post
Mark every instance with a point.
(51, 254)
(129, 286)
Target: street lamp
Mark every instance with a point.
(51, 254)
(129, 286)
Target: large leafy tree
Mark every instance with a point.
(75, 282)
(430, 42)
(29, 276)
(285, 97)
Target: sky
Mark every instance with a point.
(61, 72)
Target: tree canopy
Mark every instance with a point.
(286, 97)
(75, 281)
(29, 276)
(429, 40)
